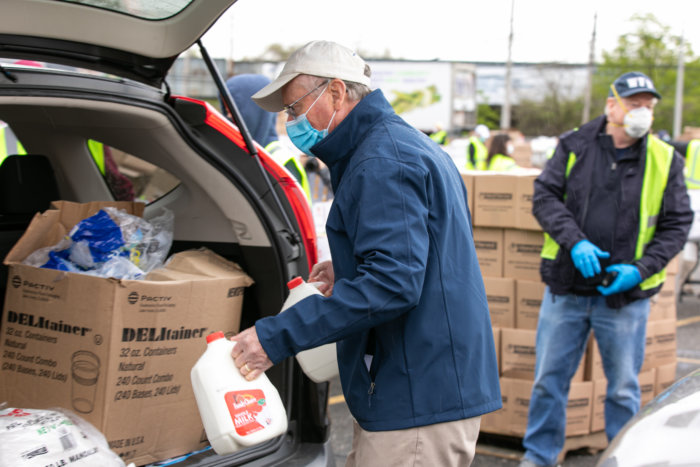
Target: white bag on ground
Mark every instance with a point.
(33, 437)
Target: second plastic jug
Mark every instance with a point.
(320, 363)
(235, 412)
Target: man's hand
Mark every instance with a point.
(627, 277)
(585, 256)
(322, 274)
(248, 355)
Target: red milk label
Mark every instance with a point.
(248, 411)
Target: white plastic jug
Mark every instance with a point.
(320, 363)
(236, 413)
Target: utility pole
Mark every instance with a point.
(589, 76)
(678, 105)
(505, 110)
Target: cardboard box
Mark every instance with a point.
(664, 352)
(578, 408)
(468, 177)
(647, 381)
(488, 242)
(518, 355)
(495, 422)
(516, 393)
(494, 203)
(512, 418)
(500, 294)
(600, 387)
(522, 153)
(521, 257)
(594, 362)
(528, 299)
(665, 377)
(667, 293)
(659, 311)
(524, 190)
(117, 352)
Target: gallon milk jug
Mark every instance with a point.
(321, 363)
(236, 413)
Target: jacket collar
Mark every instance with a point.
(342, 141)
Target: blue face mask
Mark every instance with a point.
(302, 134)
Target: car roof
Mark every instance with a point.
(137, 39)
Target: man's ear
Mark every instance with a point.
(337, 90)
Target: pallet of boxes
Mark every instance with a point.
(508, 241)
(117, 353)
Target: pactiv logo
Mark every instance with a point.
(134, 298)
(18, 282)
(531, 302)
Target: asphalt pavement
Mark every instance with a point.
(506, 451)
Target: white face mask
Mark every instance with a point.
(637, 122)
(509, 149)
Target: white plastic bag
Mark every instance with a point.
(39, 438)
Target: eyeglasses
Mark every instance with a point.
(290, 108)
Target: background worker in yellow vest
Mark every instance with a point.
(262, 125)
(439, 135)
(599, 201)
(689, 273)
(9, 144)
(499, 158)
(477, 153)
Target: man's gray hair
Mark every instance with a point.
(355, 91)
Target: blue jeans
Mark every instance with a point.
(563, 328)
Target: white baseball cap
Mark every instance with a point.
(317, 58)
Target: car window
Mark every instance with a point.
(152, 9)
(128, 177)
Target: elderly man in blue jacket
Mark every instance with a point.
(405, 300)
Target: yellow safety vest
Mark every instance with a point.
(288, 161)
(657, 167)
(692, 165)
(98, 154)
(501, 163)
(16, 149)
(480, 154)
(440, 137)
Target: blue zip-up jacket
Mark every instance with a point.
(408, 288)
(563, 207)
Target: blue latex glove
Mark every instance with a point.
(585, 256)
(627, 277)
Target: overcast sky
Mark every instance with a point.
(466, 30)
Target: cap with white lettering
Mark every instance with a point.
(633, 83)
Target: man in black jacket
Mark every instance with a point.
(613, 203)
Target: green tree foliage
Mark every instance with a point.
(653, 49)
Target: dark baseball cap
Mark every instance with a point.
(633, 83)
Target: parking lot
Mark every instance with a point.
(504, 451)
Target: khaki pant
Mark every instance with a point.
(442, 444)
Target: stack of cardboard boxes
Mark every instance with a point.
(508, 242)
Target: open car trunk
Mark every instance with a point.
(216, 190)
